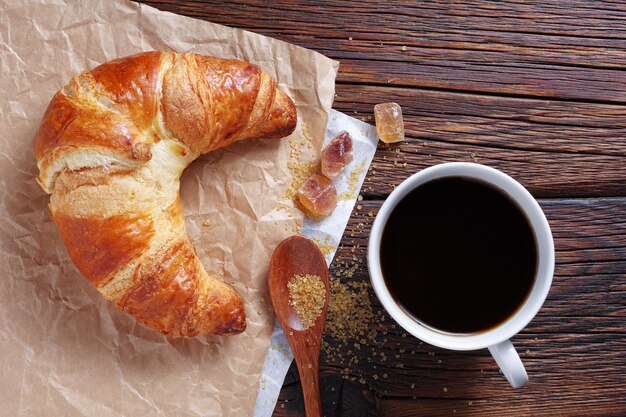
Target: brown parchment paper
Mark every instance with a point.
(65, 351)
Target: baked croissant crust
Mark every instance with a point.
(110, 150)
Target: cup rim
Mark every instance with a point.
(545, 269)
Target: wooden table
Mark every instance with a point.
(536, 89)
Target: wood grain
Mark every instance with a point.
(564, 50)
(562, 127)
(528, 139)
(545, 174)
(534, 88)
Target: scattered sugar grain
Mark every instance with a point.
(353, 182)
(325, 247)
(306, 132)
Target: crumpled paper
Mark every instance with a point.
(65, 351)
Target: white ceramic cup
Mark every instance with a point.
(495, 339)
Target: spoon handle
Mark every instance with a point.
(310, 380)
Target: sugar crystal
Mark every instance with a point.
(317, 197)
(337, 155)
(389, 123)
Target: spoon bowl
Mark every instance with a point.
(297, 255)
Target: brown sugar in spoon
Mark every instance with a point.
(297, 255)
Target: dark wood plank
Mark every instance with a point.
(477, 72)
(541, 49)
(545, 174)
(507, 26)
(493, 408)
(563, 127)
(574, 350)
(576, 18)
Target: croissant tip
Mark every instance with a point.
(236, 325)
(284, 117)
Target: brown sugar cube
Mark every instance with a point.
(317, 197)
(389, 123)
(337, 155)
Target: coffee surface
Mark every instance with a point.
(458, 255)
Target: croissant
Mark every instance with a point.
(110, 150)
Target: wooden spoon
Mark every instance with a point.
(297, 255)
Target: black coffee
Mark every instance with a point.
(458, 255)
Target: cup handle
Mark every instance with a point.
(509, 362)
